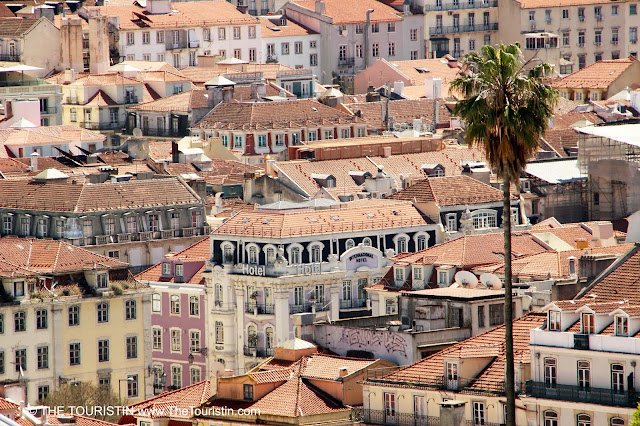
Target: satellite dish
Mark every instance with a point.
(466, 279)
(491, 281)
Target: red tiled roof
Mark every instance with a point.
(51, 256)
(353, 11)
(46, 135)
(402, 111)
(272, 28)
(178, 401)
(599, 75)
(100, 99)
(361, 215)
(86, 198)
(199, 251)
(273, 115)
(430, 369)
(182, 102)
(450, 191)
(621, 281)
(327, 367)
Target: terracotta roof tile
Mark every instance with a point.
(327, 367)
(199, 251)
(621, 281)
(402, 111)
(450, 191)
(133, 17)
(182, 102)
(273, 115)
(87, 197)
(100, 99)
(180, 400)
(533, 4)
(46, 135)
(353, 11)
(15, 27)
(595, 76)
(271, 28)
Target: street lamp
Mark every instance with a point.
(128, 379)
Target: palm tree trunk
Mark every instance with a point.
(508, 307)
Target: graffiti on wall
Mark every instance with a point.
(391, 341)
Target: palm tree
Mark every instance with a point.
(505, 110)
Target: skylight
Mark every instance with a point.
(313, 219)
(370, 214)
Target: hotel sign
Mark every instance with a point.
(357, 260)
(257, 270)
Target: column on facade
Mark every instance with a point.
(283, 321)
(240, 328)
(334, 295)
(57, 323)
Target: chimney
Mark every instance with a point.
(343, 371)
(227, 94)
(34, 161)
(572, 266)
(433, 88)
(398, 88)
(158, 7)
(99, 44)
(69, 76)
(71, 44)
(269, 167)
(175, 154)
(386, 152)
(258, 90)
(319, 7)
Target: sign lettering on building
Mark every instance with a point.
(257, 270)
(357, 260)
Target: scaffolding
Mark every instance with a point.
(609, 155)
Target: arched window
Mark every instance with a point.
(253, 255)
(156, 303)
(584, 420)
(219, 295)
(294, 256)
(268, 334)
(349, 244)
(271, 256)
(401, 245)
(227, 251)
(366, 242)
(483, 219)
(616, 421)
(252, 336)
(421, 242)
(219, 333)
(550, 418)
(316, 253)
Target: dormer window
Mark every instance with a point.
(102, 280)
(399, 272)
(294, 256)
(588, 324)
(452, 222)
(247, 392)
(179, 270)
(166, 268)
(325, 181)
(554, 320)
(350, 244)
(253, 255)
(622, 326)
(271, 256)
(18, 288)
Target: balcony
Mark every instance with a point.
(10, 57)
(297, 309)
(438, 53)
(573, 393)
(256, 351)
(194, 44)
(462, 6)
(176, 46)
(353, 303)
(346, 62)
(454, 29)
(381, 417)
(49, 111)
(259, 308)
(272, 59)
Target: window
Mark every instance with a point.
(399, 273)
(103, 350)
(391, 27)
(588, 324)
(154, 224)
(18, 288)
(194, 306)
(43, 392)
(252, 336)
(633, 9)
(262, 141)
(7, 225)
(132, 385)
(417, 273)
(359, 51)
(401, 245)
(74, 354)
(565, 13)
(268, 338)
(550, 372)
(74, 315)
(617, 377)
(375, 50)
(160, 37)
(236, 33)
(41, 319)
(622, 326)
(43, 228)
(375, 27)
(316, 254)
(130, 39)
(219, 331)
(554, 320)
(452, 375)
(616, 421)
(247, 392)
(481, 316)
(478, 413)
(20, 321)
(547, 16)
(206, 34)
(532, 15)
(390, 306)
(346, 290)
(253, 255)
(566, 38)
(21, 360)
(2, 362)
(581, 14)
(176, 341)
(419, 407)
(102, 280)
(472, 44)
(1, 323)
(157, 338)
(156, 301)
(279, 139)
(130, 310)
(298, 296)
(175, 304)
(284, 48)
(319, 293)
(194, 341)
(362, 283)
(389, 404)
(484, 219)
(43, 357)
(584, 420)
(550, 418)
(298, 47)
(145, 37)
(597, 11)
(25, 225)
(179, 268)
(443, 277)
(413, 34)
(392, 49)
(252, 32)
(452, 222)
(221, 33)
(584, 374)
(496, 314)
(132, 347)
(196, 375)
(252, 55)
(132, 224)
(103, 312)
(597, 37)
(614, 10)
(414, 55)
